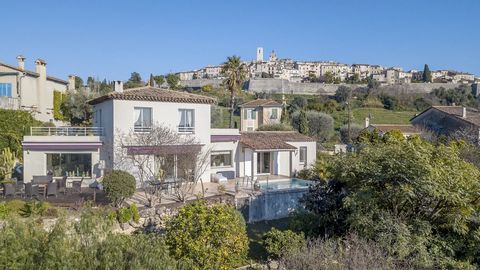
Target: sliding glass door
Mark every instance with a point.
(264, 162)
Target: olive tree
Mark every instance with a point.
(151, 155)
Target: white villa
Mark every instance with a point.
(85, 152)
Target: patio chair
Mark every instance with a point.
(31, 190)
(62, 185)
(8, 190)
(20, 188)
(52, 189)
(76, 186)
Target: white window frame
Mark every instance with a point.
(144, 127)
(186, 127)
(228, 152)
(250, 114)
(276, 114)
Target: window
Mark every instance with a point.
(274, 114)
(187, 120)
(249, 114)
(143, 119)
(6, 89)
(303, 154)
(72, 165)
(221, 159)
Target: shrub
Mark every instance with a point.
(278, 242)
(275, 127)
(34, 208)
(355, 130)
(85, 244)
(208, 237)
(118, 186)
(9, 208)
(349, 253)
(319, 125)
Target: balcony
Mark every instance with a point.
(66, 131)
(9, 103)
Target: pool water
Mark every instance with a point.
(285, 184)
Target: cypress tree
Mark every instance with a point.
(303, 125)
(427, 75)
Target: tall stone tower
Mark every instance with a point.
(259, 54)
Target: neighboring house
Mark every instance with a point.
(85, 152)
(450, 121)
(256, 113)
(30, 90)
(407, 130)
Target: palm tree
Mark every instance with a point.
(235, 72)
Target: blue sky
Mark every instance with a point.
(113, 38)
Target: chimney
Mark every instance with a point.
(118, 86)
(464, 112)
(367, 122)
(41, 67)
(21, 62)
(71, 82)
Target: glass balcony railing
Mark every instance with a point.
(66, 131)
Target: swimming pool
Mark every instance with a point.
(292, 183)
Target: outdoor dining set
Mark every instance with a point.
(41, 186)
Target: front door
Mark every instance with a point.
(264, 162)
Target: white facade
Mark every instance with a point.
(31, 90)
(117, 115)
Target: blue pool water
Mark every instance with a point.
(292, 183)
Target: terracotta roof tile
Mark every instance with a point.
(261, 103)
(272, 140)
(472, 115)
(149, 93)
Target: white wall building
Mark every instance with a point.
(83, 152)
(31, 90)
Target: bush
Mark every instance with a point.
(85, 244)
(320, 125)
(125, 214)
(355, 130)
(278, 242)
(349, 253)
(118, 186)
(34, 208)
(208, 237)
(275, 127)
(13, 125)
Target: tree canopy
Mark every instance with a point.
(417, 199)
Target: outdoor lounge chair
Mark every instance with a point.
(52, 189)
(218, 177)
(8, 190)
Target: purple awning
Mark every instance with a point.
(164, 149)
(62, 146)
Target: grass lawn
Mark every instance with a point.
(378, 116)
(255, 233)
